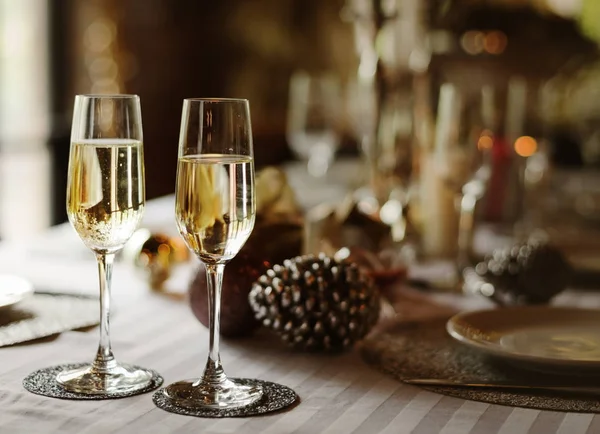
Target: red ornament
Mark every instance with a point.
(237, 318)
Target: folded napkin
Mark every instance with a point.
(43, 315)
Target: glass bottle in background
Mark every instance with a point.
(390, 39)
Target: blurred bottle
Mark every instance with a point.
(387, 36)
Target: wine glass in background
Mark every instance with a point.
(105, 203)
(384, 131)
(463, 142)
(215, 212)
(361, 109)
(314, 112)
(527, 120)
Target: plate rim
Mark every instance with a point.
(497, 350)
(26, 291)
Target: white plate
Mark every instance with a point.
(13, 289)
(543, 336)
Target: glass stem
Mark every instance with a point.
(105, 361)
(465, 231)
(213, 373)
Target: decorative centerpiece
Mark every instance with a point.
(316, 303)
(347, 232)
(324, 303)
(331, 227)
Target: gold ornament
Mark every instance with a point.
(330, 227)
(275, 199)
(156, 253)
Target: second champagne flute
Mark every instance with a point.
(215, 211)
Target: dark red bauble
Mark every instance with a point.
(269, 244)
(237, 318)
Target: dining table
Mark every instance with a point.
(338, 393)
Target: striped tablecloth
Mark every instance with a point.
(340, 394)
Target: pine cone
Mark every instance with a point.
(316, 303)
(530, 273)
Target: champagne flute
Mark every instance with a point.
(215, 210)
(105, 203)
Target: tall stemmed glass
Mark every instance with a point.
(313, 116)
(215, 209)
(105, 203)
(464, 137)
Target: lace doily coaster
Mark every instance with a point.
(275, 397)
(424, 350)
(43, 382)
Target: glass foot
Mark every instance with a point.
(228, 394)
(118, 380)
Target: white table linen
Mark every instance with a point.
(340, 394)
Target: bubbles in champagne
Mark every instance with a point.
(105, 195)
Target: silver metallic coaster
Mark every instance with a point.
(43, 382)
(275, 397)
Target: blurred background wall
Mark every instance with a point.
(166, 51)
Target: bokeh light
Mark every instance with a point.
(495, 42)
(473, 41)
(526, 146)
(485, 142)
(99, 35)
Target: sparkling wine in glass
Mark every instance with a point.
(105, 203)
(215, 210)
